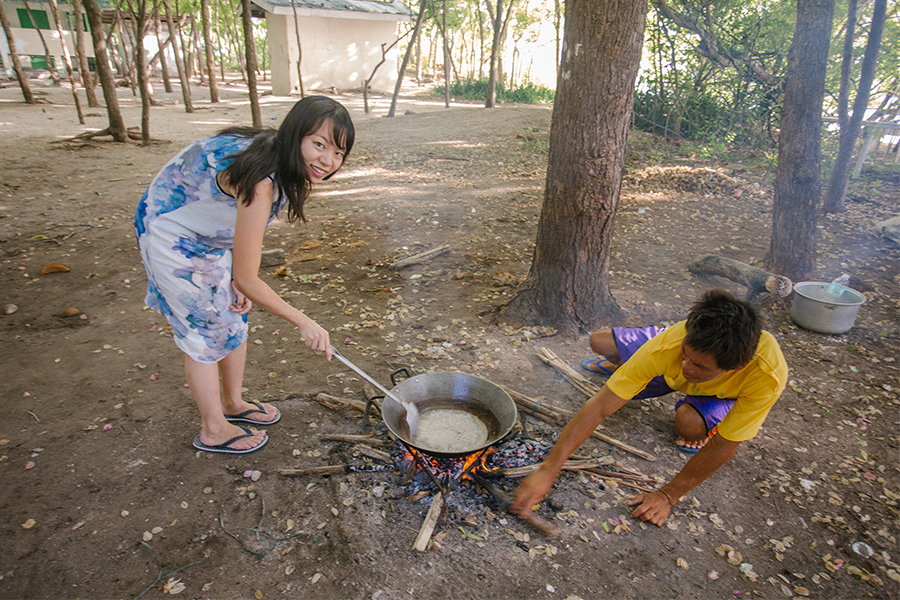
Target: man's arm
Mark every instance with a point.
(654, 507)
(534, 488)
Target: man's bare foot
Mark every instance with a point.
(691, 445)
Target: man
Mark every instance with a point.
(731, 371)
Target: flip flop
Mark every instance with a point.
(687, 450)
(593, 365)
(242, 417)
(226, 447)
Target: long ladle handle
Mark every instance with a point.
(363, 374)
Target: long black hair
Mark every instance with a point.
(279, 152)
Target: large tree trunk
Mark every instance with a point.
(840, 174)
(49, 57)
(409, 48)
(568, 285)
(117, 128)
(798, 185)
(495, 51)
(178, 51)
(250, 47)
(14, 56)
(54, 8)
(86, 80)
(208, 48)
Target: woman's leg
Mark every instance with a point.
(231, 369)
(203, 379)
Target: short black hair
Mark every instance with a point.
(721, 325)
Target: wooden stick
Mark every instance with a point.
(313, 471)
(365, 439)
(569, 465)
(336, 403)
(434, 512)
(373, 453)
(584, 385)
(420, 257)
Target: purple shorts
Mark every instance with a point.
(711, 408)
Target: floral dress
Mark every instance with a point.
(185, 231)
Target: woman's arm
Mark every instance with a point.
(248, 238)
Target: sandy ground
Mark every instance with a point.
(103, 496)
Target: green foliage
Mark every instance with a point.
(476, 89)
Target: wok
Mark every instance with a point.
(459, 414)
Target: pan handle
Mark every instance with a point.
(397, 372)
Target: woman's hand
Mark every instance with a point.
(242, 304)
(316, 338)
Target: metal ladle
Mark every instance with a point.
(412, 411)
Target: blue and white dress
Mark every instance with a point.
(185, 231)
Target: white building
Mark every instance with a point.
(341, 42)
(28, 42)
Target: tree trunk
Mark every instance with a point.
(117, 128)
(798, 185)
(299, 50)
(495, 49)
(446, 46)
(49, 57)
(54, 8)
(568, 284)
(86, 80)
(250, 46)
(210, 58)
(177, 50)
(14, 57)
(409, 48)
(840, 174)
(163, 63)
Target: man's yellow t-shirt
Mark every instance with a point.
(756, 386)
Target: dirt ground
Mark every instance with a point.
(103, 497)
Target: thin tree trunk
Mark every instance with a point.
(568, 284)
(208, 48)
(179, 60)
(446, 45)
(86, 80)
(250, 46)
(414, 40)
(49, 57)
(195, 53)
(299, 50)
(840, 174)
(54, 8)
(163, 63)
(219, 41)
(14, 57)
(117, 128)
(846, 67)
(798, 185)
(495, 51)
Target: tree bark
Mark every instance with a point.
(568, 284)
(49, 57)
(495, 50)
(14, 57)
(86, 80)
(756, 280)
(117, 128)
(836, 191)
(409, 48)
(54, 8)
(250, 47)
(178, 51)
(798, 185)
(299, 50)
(163, 63)
(208, 48)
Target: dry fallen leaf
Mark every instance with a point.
(29, 524)
(69, 312)
(147, 536)
(173, 586)
(55, 268)
(682, 563)
(258, 594)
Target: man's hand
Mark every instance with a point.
(532, 490)
(653, 507)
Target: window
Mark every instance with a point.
(39, 15)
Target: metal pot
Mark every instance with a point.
(483, 413)
(815, 309)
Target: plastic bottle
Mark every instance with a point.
(837, 287)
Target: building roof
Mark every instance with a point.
(349, 8)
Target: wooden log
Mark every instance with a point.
(434, 512)
(355, 439)
(336, 403)
(420, 257)
(756, 280)
(373, 453)
(315, 471)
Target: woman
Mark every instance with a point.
(200, 227)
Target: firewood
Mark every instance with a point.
(755, 279)
(373, 453)
(581, 383)
(434, 512)
(365, 439)
(336, 403)
(315, 471)
(420, 257)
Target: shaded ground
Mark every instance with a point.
(95, 440)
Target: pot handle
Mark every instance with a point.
(397, 372)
